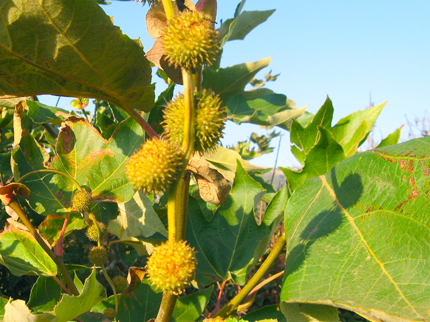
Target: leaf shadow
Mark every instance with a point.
(327, 221)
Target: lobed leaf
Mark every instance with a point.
(44, 295)
(190, 307)
(71, 307)
(95, 162)
(141, 305)
(229, 81)
(263, 107)
(21, 254)
(139, 218)
(71, 48)
(358, 237)
(231, 242)
(237, 28)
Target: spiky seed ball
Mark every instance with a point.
(120, 283)
(81, 200)
(110, 313)
(209, 120)
(155, 166)
(92, 232)
(190, 41)
(98, 255)
(172, 266)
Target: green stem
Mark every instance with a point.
(168, 9)
(189, 128)
(230, 307)
(59, 261)
(166, 308)
(50, 171)
(112, 285)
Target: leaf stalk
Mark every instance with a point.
(230, 307)
(58, 261)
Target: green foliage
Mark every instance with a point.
(355, 223)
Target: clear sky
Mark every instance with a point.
(347, 50)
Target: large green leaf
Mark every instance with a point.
(243, 24)
(266, 312)
(21, 254)
(52, 225)
(300, 312)
(232, 241)
(3, 302)
(41, 113)
(263, 107)
(71, 307)
(141, 305)
(229, 81)
(190, 307)
(139, 218)
(321, 158)
(44, 295)
(46, 197)
(96, 162)
(143, 247)
(358, 237)
(71, 48)
(345, 130)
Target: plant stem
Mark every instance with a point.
(112, 285)
(59, 261)
(168, 9)
(145, 126)
(50, 171)
(189, 128)
(61, 284)
(230, 307)
(166, 308)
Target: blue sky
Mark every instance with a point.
(347, 50)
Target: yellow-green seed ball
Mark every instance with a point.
(92, 232)
(98, 255)
(190, 41)
(110, 313)
(172, 266)
(120, 283)
(209, 120)
(81, 200)
(155, 166)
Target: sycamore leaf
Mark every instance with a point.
(232, 241)
(358, 237)
(95, 162)
(71, 48)
(139, 218)
(242, 25)
(232, 80)
(21, 254)
(71, 307)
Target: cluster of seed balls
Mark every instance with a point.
(189, 42)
